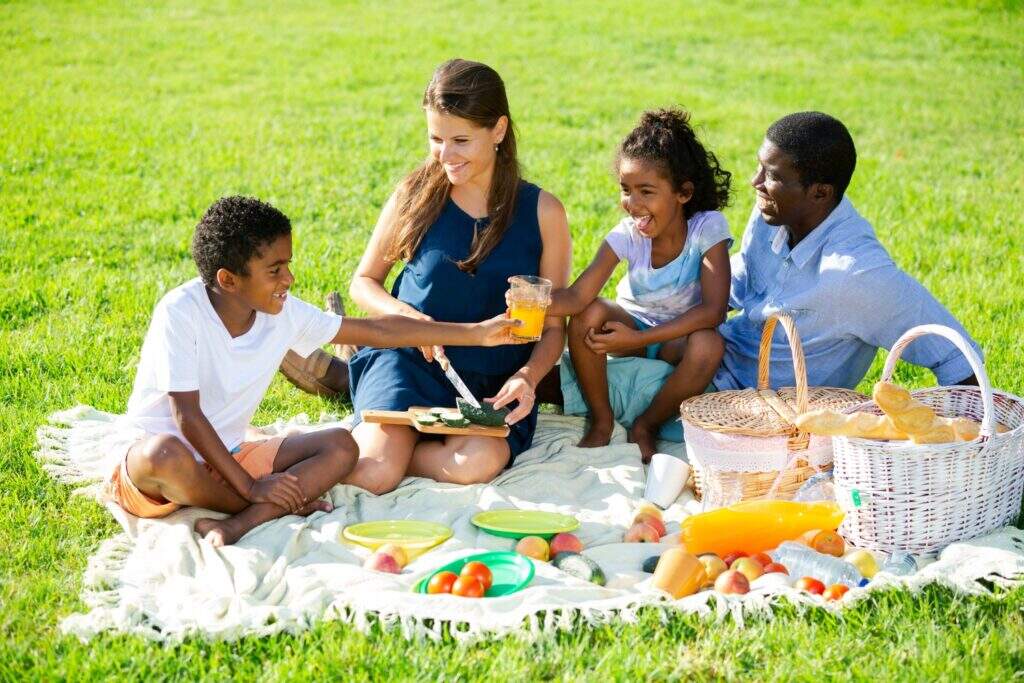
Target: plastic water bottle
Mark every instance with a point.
(900, 564)
(801, 560)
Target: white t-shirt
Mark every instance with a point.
(187, 348)
(656, 295)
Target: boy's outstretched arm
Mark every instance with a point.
(280, 489)
(577, 296)
(387, 331)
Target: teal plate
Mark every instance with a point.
(512, 572)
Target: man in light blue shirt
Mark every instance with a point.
(808, 252)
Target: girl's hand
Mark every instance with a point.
(516, 388)
(614, 337)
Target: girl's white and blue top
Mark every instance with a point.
(656, 295)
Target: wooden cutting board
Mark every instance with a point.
(407, 418)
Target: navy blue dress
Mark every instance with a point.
(431, 282)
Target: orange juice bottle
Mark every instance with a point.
(755, 526)
(532, 314)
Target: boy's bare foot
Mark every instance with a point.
(644, 437)
(599, 434)
(228, 531)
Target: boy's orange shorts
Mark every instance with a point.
(255, 457)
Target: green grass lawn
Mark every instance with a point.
(119, 125)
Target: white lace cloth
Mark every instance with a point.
(159, 580)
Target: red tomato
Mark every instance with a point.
(836, 591)
(763, 559)
(468, 587)
(810, 585)
(480, 571)
(441, 582)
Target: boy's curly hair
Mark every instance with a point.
(233, 231)
(664, 138)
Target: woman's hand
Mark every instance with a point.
(614, 337)
(516, 388)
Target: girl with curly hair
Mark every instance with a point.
(676, 291)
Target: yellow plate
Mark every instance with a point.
(414, 536)
(519, 523)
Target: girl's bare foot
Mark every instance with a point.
(599, 434)
(644, 437)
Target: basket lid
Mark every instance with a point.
(760, 412)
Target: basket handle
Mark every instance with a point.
(764, 356)
(988, 421)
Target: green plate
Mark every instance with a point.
(512, 572)
(519, 523)
(414, 536)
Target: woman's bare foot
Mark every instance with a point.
(228, 531)
(599, 434)
(644, 437)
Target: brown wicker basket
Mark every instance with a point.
(744, 441)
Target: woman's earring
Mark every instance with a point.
(496, 148)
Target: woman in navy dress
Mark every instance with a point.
(463, 223)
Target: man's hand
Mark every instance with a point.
(498, 331)
(614, 337)
(281, 489)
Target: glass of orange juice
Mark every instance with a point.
(529, 298)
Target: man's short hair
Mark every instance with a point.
(820, 146)
(233, 231)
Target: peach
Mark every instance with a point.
(382, 562)
(747, 566)
(395, 551)
(647, 508)
(535, 547)
(808, 536)
(762, 559)
(713, 565)
(731, 582)
(775, 568)
(642, 533)
(651, 521)
(732, 557)
(829, 543)
(565, 543)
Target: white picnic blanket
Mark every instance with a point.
(158, 579)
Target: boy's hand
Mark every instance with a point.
(498, 331)
(281, 489)
(614, 337)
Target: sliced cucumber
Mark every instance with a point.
(454, 419)
(427, 419)
(485, 415)
(439, 411)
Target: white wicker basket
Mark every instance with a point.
(899, 496)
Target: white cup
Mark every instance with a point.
(666, 478)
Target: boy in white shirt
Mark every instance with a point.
(211, 351)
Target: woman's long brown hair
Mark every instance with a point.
(476, 93)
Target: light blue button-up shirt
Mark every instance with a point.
(845, 294)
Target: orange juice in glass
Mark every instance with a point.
(529, 298)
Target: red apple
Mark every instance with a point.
(565, 543)
(382, 562)
(747, 566)
(732, 557)
(535, 547)
(652, 521)
(732, 583)
(642, 533)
